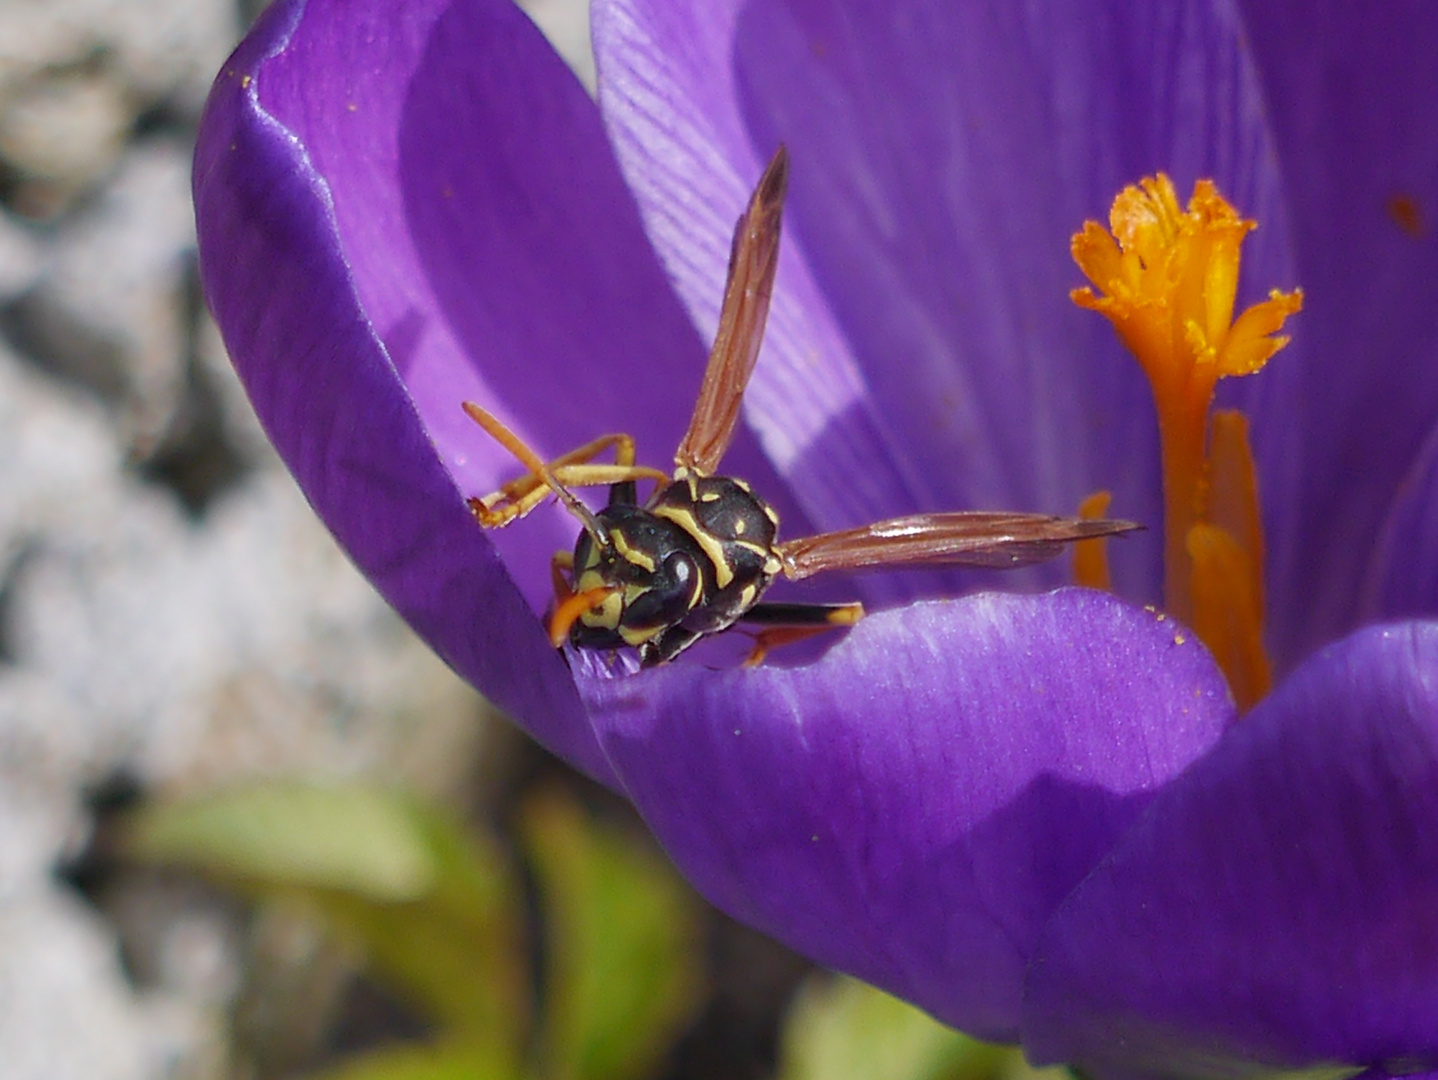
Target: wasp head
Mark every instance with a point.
(645, 574)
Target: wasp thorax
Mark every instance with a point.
(732, 526)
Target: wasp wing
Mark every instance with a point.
(753, 259)
(976, 538)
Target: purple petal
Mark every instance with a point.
(1275, 905)
(1402, 577)
(490, 240)
(912, 807)
(490, 237)
(807, 400)
(1352, 100)
(282, 281)
(378, 249)
(943, 155)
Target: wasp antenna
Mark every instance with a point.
(497, 431)
(567, 613)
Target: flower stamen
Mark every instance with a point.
(1091, 556)
(1167, 278)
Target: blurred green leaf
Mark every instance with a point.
(842, 1029)
(358, 840)
(622, 945)
(441, 1062)
(435, 910)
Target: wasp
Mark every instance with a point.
(697, 555)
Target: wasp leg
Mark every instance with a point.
(623, 456)
(521, 495)
(522, 486)
(667, 646)
(621, 490)
(788, 623)
(496, 510)
(817, 616)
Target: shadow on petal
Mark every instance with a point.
(912, 806)
(1274, 906)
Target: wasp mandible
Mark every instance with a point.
(697, 555)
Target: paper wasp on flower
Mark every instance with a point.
(698, 554)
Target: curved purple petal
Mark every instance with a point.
(943, 156)
(491, 240)
(1274, 907)
(659, 66)
(372, 262)
(1353, 103)
(913, 806)
(1402, 578)
(281, 279)
(486, 234)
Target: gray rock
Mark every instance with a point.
(65, 1010)
(20, 257)
(162, 616)
(109, 307)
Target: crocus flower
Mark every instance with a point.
(1032, 815)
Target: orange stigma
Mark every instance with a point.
(1167, 277)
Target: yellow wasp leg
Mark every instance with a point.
(499, 509)
(518, 497)
(623, 456)
(789, 623)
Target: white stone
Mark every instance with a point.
(66, 1012)
(110, 305)
(20, 258)
(67, 127)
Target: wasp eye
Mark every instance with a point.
(671, 592)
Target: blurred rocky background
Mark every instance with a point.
(250, 828)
